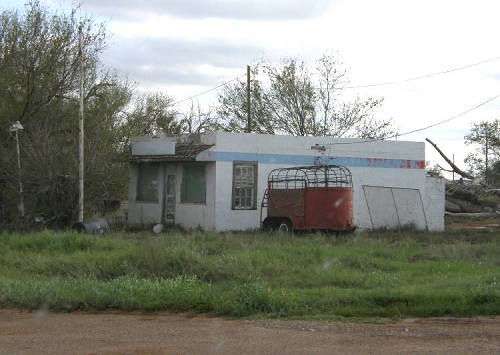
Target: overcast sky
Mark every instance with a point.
(185, 47)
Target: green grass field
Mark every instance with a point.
(376, 274)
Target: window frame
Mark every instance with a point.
(255, 165)
(138, 198)
(183, 185)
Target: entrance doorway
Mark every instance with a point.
(170, 183)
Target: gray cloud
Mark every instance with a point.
(155, 61)
(243, 10)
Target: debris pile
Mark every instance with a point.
(472, 198)
(471, 195)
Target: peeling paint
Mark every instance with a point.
(209, 155)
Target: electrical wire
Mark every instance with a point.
(207, 91)
(425, 76)
(422, 128)
(359, 86)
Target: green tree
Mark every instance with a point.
(298, 101)
(150, 114)
(485, 138)
(39, 67)
(233, 108)
(434, 171)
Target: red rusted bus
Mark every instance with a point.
(309, 198)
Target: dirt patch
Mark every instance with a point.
(41, 332)
(473, 224)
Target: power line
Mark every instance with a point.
(423, 76)
(359, 86)
(422, 128)
(453, 117)
(207, 91)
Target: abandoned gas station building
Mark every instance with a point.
(216, 180)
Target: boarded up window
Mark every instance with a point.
(244, 185)
(193, 189)
(147, 183)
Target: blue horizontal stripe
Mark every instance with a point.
(297, 160)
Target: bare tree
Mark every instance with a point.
(330, 78)
(302, 102)
(197, 120)
(346, 118)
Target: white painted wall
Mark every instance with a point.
(194, 215)
(264, 143)
(143, 212)
(217, 213)
(399, 178)
(395, 207)
(228, 219)
(410, 208)
(187, 215)
(434, 199)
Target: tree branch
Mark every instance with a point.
(453, 166)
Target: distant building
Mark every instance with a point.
(216, 180)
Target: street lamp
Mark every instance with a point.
(16, 127)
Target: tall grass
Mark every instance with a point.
(385, 274)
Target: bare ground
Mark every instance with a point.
(42, 332)
(478, 224)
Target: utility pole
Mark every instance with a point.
(249, 121)
(80, 137)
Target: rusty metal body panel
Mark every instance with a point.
(287, 203)
(328, 208)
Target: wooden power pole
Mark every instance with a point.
(249, 120)
(80, 130)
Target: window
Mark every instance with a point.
(147, 183)
(244, 185)
(193, 188)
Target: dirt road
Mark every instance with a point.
(41, 332)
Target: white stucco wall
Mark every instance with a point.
(264, 143)
(187, 215)
(434, 200)
(194, 215)
(384, 177)
(143, 212)
(254, 146)
(228, 219)
(381, 163)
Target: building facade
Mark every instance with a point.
(216, 180)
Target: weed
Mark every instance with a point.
(376, 274)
